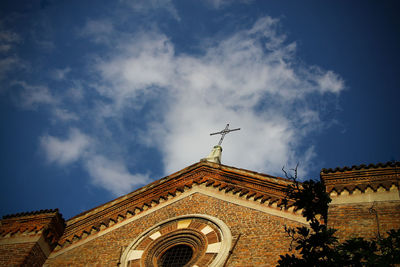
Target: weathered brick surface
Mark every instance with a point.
(19, 231)
(241, 182)
(14, 254)
(36, 257)
(21, 254)
(262, 235)
(357, 220)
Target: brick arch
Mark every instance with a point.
(208, 237)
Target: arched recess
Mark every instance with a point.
(208, 237)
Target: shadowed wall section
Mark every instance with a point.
(218, 215)
(28, 238)
(365, 199)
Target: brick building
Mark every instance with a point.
(207, 214)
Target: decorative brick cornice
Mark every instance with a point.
(374, 176)
(36, 212)
(362, 167)
(246, 184)
(48, 223)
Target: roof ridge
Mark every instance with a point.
(192, 167)
(28, 213)
(362, 166)
(258, 187)
(85, 228)
(137, 190)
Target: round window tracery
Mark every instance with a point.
(176, 256)
(189, 240)
(153, 250)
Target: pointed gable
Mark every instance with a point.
(220, 181)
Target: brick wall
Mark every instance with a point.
(36, 256)
(355, 190)
(14, 254)
(357, 220)
(262, 235)
(27, 238)
(21, 254)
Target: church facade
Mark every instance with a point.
(207, 214)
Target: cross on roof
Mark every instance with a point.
(224, 132)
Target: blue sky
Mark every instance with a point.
(99, 98)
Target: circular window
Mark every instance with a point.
(160, 250)
(177, 256)
(187, 240)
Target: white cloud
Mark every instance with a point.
(330, 82)
(249, 79)
(31, 96)
(146, 63)
(64, 115)
(65, 151)
(113, 175)
(34, 96)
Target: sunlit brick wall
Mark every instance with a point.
(262, 235)
(359, 220)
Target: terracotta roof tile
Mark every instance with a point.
(362, 176)
(22, 214)
(247, 183)
(362, 166)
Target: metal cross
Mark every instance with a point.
(224, 132)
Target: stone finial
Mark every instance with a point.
(215, 155)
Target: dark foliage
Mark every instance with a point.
(317, 245)
(361, 252)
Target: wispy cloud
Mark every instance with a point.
(98, 31)
(113, 175)
(8, 59)
(223, 3)
(64, 115)
(148, 6)
(7, 64)
(65, 151)
(250, 78)
(330, 82)
(60, 74)
(7, 40)
(31, 96)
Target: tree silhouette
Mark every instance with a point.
(316, 245)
